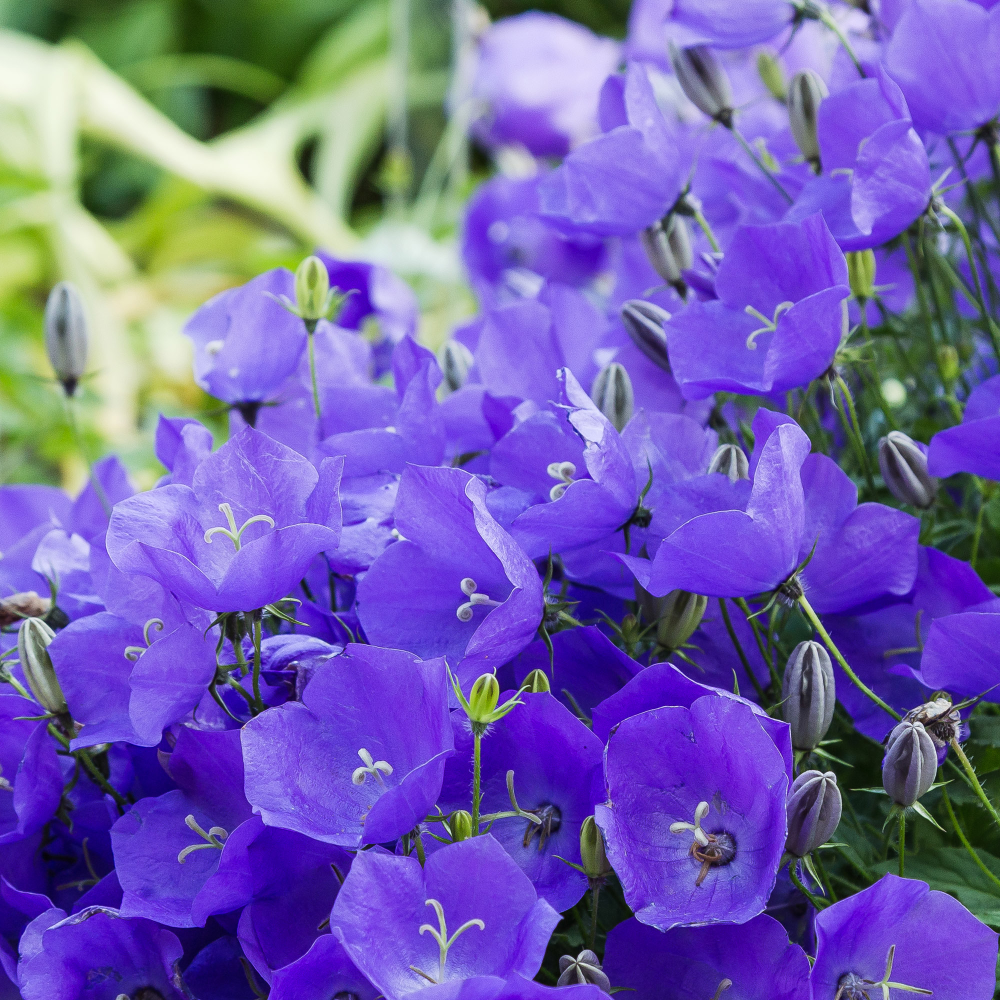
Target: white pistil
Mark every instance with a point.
(699, 834)
(464, 611)
(376, 768)
(564, 472)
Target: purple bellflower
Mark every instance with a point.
(537, 79)
(974, 445)
(779, 317)
(896, 932)
(409, 928)
(692, 962)
(456, 584)
(556, 762)
(695, 818)
(324, 971)
(242, 535)
(960, 655)
(360, 759)
(725, 25)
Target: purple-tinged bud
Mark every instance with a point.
(731, 461)
(703, 81)
(455, 360)
(644, 323)
(904, 469)
(809, 694)
(66, 335)
(813, 809)
(585, 968)
(668, 248)
(680, 615)
(460, 824)
(612, 394)
(910, 763)
(537, 682)
(805, 94)
(772, 76)
(33, 640)
(592, 853)
(861, 268)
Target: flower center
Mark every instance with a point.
(440, 934)
(233, 533)
(134, 652)
(712, 850)
(564, 472)
(855, 987)
(376, 768)
(770, 325)
(551, 820)
(213, 838)
(475, 600)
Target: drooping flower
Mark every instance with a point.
(360, 759)
(695, 818)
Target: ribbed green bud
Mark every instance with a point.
(681, 615)
(772, 75)
(33, 639)
(861, 273)
(483, 699)
(703, 81)
(536, 682)
(806, 93)
(592, 854)
(312, 289)
(460, 824)
(948, 361)
(612, 394)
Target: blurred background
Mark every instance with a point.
(156, 152)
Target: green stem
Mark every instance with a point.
(748, 149)
(752, 622)
(902, 840)
(827, 18)
(817, 861)
(820, 904)
(78, 441)
(875, 382)
(739, 649)
(477, 741)
(839, 657)
(421, 856)
(312, 367)
(95, 775)
(856, 438)
(595, 895)
(965, 840)
(257, 700)
(699, 217)
(976, 786)
(978, 534)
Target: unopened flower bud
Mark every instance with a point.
(948, 362)
(703, 81)
(861, 273)
(33, 639)
(25, 605)
(904, 469)
(455, 360)
(910, 763)
(312, 289)
(805, 94)
(460, 824)
(681, 615)
(483, 698)
(668, 249)
(730, 460)
(644, 324)
(585, 968)
(813, 810)
(592, 853)
(66, 335)
(772, 75)
(809, 694)
(536, 682)
(612, 394)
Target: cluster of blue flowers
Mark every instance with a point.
(530, 666)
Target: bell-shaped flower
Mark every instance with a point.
(960, 655)
(889, 939)
(174, 852)
(627, 178)
(408, 928)
(100, 954)
(755, 959)
(876, 179)
(948, 95)
(779, 317)
(974, 445)
(724, 25)
(802, 508)
(536, 80)
(555, 760)
(360, 759)
(242, 535)
(695, 819)
(455, 584)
